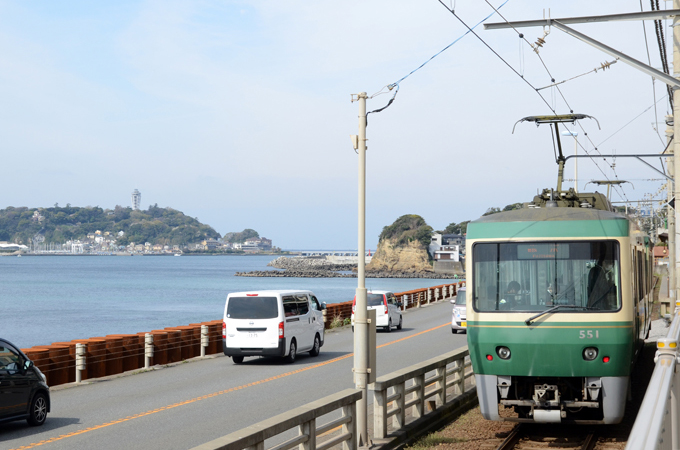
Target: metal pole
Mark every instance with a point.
(676, 146)
(360, 312)
(575, 162)
(670, 216)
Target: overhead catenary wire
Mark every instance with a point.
(396, 83)
(605, 65)
(542, 42)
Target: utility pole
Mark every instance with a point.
(360, 311)
(670, 215)
(672, 291)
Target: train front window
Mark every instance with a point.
(534, 276)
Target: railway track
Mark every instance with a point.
(533, 437)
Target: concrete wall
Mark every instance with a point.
(449, 267)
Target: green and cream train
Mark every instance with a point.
(559, 302)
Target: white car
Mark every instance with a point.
(387, 309)
(458, 315)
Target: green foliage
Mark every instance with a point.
(456, 228)
(492, 210)
(164, 226)
(241, 237)
(513, 206)
(408, 228)
(336, 322)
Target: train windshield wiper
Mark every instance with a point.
(554, 308)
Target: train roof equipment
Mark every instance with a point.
(551, 198)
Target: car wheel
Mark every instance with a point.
(38, 411)
(400, 323)
(237, 359)
(389, 326)
(317, 346)
(292, 352)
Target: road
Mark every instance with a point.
(187, 404)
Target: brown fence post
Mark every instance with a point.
(174, 345)
(41, 359)
(160, 346)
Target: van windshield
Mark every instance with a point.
(375, 300)
(460, 298)
(252, 308)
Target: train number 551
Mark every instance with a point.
(588, 334)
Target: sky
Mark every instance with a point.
(239, 113)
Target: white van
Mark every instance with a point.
(272, 323)
(387, 309)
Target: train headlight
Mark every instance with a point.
(503, 352)
(590, 353)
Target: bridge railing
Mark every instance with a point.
(304, 418)
(408, 390)
(658, 421)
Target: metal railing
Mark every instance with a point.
(409, 389)
(657, 425)
(304, 418)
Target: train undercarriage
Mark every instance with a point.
(586, 400)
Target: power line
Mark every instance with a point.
(539, 43)
(396, 83)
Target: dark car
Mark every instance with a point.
(24, 393)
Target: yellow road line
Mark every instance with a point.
(214, 394)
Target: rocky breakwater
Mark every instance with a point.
(304, 267)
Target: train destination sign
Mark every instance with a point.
(542, 251)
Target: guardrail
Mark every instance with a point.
(338, 312)
(657, 425)
(82, 359)
(304, 418)
(452, 371)
(408, 389)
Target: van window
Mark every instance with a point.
(315, 304)
(302, 304)
(375, 300)
(252, 308)
(290, 307)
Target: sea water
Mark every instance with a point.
(45, 299)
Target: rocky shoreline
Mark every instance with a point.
(300, 267)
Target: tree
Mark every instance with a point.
(408, 228)
(456, 228)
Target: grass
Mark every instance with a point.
(336, 322)
(433, 440)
